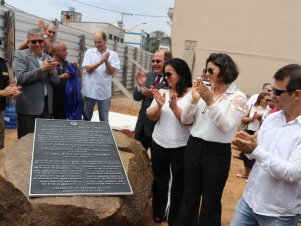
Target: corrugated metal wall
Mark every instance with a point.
(2, 31)
(73, 37)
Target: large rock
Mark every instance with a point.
(18, 209)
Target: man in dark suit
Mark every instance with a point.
(144, 126)
(35, 72)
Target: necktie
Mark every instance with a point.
(157, 81)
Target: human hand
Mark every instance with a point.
(244, 142)
(75, 65)
(259, 117)
(77, 68)
(49, 65)
(146, 92)
(140, 78)
(12, 90)
(173, 101)
(205, 93)
(42, 26)
(160, 99)
(195, 95)
(17, 91)
(105, 57)
(254, 116)
(65, 75)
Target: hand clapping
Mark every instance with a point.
(48, 66)
(160, 99)
(105, 57)
(205, 93)
(173, 101)
(244, 142)
(140, 78)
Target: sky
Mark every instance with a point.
(99, 11)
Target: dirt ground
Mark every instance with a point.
(234, 185)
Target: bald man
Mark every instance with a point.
(101, 64)
(67, 101)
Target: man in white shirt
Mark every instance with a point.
(100, 64)
(272, 195)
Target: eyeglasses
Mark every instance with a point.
(40, 41)
(157, 61)
(167, 74)
(278, 92)
(209, 70)
(268, 100)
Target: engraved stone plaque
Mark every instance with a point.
(76, 158)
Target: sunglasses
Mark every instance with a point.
(278, 92)
(268, 100)
(157, 61)
(167, 74)
(209, 70)
(40, 41)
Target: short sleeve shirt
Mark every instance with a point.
(98, 84)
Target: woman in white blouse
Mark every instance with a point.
(169, 139)
(214, 114)
(258, 113)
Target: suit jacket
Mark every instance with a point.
(33, 81)
(144, 125)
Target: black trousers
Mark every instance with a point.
(206, 168)
(166, 160)
(26, 123)
(248, 163)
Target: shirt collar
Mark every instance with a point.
(232, 88)
(296, 120)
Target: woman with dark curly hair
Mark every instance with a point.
(214, 113)
(169, 139)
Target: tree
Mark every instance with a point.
(153, 40)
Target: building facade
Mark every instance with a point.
(136, 38)
(260, 35)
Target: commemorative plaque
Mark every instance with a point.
(76, 158)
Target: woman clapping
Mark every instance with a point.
(214, 113)
(169, 139)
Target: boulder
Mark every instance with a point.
(17, 208)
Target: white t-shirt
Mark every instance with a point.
(98, 84)
(264, 111)
(169, 132)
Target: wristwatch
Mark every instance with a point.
(45, 36)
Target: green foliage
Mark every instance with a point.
(153, 41)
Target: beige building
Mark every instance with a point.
(260, 35)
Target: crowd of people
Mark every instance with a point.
(193, 129)
(48, 86)
(189, 125)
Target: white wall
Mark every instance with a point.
(260, 35)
